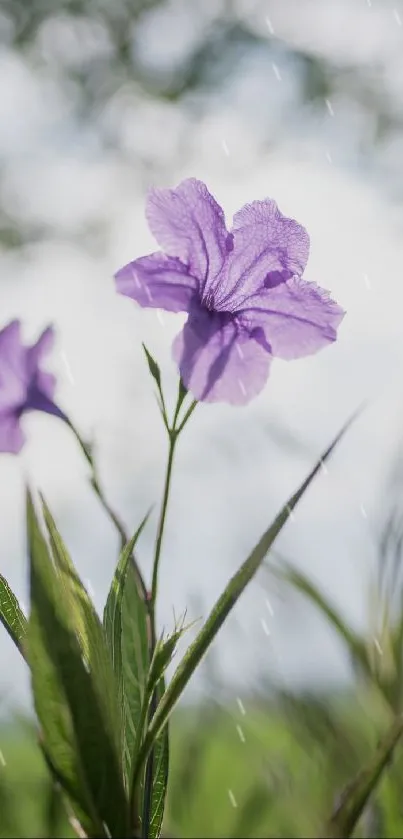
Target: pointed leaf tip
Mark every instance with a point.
(153, 366)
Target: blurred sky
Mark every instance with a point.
(249, 137)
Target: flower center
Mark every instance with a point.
(208, 301)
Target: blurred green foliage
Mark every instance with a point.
(271, 772)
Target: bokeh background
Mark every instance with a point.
(301, 101)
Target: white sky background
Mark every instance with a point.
(232, 474)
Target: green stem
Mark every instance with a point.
(161, 526)
(108, 509)
(173, 434)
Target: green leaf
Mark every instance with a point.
(220, 612)
(357, 793)
(160, 777)
(125, 596)
(88, 628)
(11, 615)
(297, 579)
(162, 657)
(153, 367)
(156, 374)
(136, 644)
(75, 732)
(112, 619)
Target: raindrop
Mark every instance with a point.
(290, 513)
(160, 318)
(397, 17)
(276, 72)
(2, 759)
(232, 798)
(363, 511)
(329, 107)
(265, 628)
(269, 607)
(241, 706)
(67, 367)
(366, 280)
(329, 157)
(269, 25)
(378, 647)
(241, 734)
(242, 386)
(225, 147)
(90, 589)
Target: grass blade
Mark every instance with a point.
(356, 795)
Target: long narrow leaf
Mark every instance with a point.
(160, 778)
(219, 614)
(11, 615)
(112, 619)
(136, 649)
(356, 795)
(75, 730)
(85, 622)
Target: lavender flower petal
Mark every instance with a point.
(157, 281)
(24, 386)
(13, 376)
(268, 248)
(218, 360)
(188, 223)
(297, 317)
(12, 438)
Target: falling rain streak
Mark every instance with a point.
(329, 107)
(67, 368)
(397, 17)
(265, 628)
(232, 798)
(241, 706)
(240, 733)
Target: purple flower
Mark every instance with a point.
(243, 291)
(23, 385)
